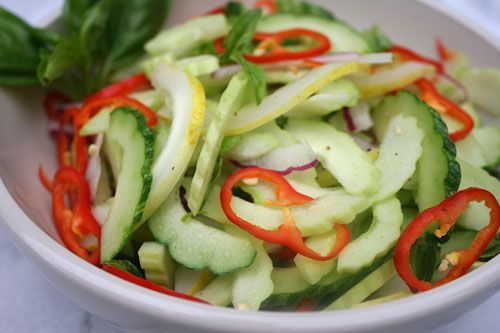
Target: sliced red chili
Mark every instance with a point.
(42, 176)
(445, 54)
(91, 108)
(287, 233)
(148, 284)
(121, 88)
(406, 54)
(271, 49)
(431, 96)
(446, 214)
(307, 305)
(74, 222)
(268, 5)
(53, 104)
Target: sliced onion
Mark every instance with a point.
(284, 160)
(348, 119)
(94, 170)
(370, 58)
(458, 85)
(360, 117)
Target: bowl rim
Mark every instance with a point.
(24, 231)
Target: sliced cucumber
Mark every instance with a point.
(199, 65)
(253, 145)
(312, 270)
(289, 96)
(365, 287)
(377, 241)
(252, 285)
(398, 155)
(187, 100)
(196, 245)
(288, 280)
(231, 99)
(483, 85)
(338, 94)
(153, 99)
(477, 215)
(488, 138)
(469, 150)
(97, 124)
(391, 78)
(438, 173)
(181, 39)
(157, 263)
(339, 154)
(343, 38)
(128, 130)
(219, 291)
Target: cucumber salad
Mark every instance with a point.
(269, 157)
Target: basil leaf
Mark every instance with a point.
(256, 76)
(377, 39)
(228, 143)
(294, 7)
(74, 12)
(241, 34)
(129, 28)
(127, 266)
(233, 9)
(424, 257)
(19, 45)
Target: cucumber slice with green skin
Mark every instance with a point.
(287, 97)
(196, 245)
(469, 150)
(252, 285)
(219, 291)
(339, 154)
(128, 130)
(398, 155)
(477, 215)
(187, 100)
(314, 218)
(342, 37)
(378, 240)
(338, 94)
(365, 288)
(231, 99)
(326, 291)
(183, 38)
(438, 173)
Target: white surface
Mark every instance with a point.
(29, 303)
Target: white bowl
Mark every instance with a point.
(25, 208)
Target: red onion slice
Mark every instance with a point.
(458, 85)
(284, 160)
(348, 119)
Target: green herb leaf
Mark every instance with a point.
(281, 121)
(303, 8)
(74, 12)
(126, 265)
(424, 257)
(19, 45)
(233, 9)
(377, 39)
(241, 34)
(256, 76)
(128, 29)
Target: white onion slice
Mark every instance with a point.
(94, 170)
(360, 115)
(284, 160)
(370, 58)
